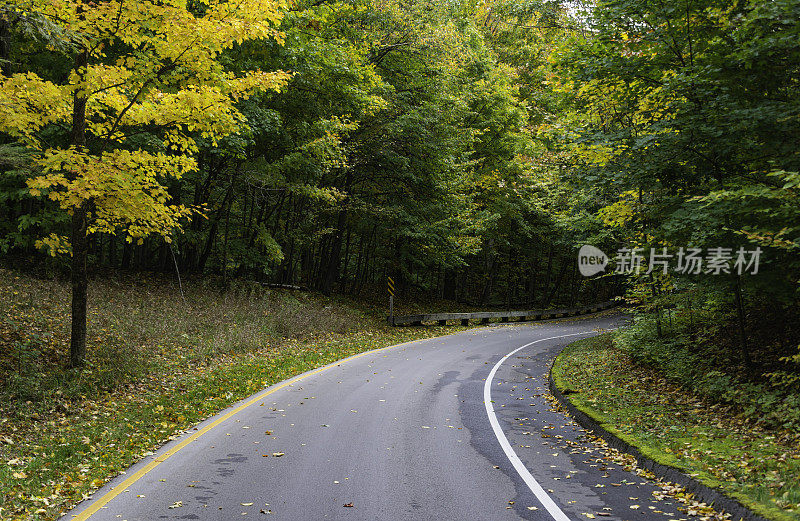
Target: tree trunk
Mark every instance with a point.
(127, 255)
(554, 291)
(112, 251)
(344, 274)
(510, 278)
(547, 279)
(5, 49)
(334, 258)
(450, 284)
(80, 246)
(331, 271)
(212, 233)
(77, 351)
(532, 291)
(748, 362)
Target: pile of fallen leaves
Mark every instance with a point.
(709, 441)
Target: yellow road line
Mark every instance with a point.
(111, 494)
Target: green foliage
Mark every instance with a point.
(682, 122)
(402, 144)
(684, 105)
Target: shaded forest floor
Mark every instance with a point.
(710, 441)
(158, 362)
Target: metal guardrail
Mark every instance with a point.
(504, 316)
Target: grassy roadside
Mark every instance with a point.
(760, 468)
(158, 364)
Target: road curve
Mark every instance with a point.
(402, 433)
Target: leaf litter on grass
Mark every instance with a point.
(706, 440)
(79, 429)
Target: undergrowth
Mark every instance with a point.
(143, 326)
(766, 394)
(707, 439)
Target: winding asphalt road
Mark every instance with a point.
(403, 433)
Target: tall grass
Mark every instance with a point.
(143, 327)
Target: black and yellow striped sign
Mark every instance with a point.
(390, 285)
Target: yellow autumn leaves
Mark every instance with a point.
(165, 81)
(27, 104)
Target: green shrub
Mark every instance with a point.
(771, 401)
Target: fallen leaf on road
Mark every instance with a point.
(348, 505)
(247, 504)
(277, 454)
(176, 504)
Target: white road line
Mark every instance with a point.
(526, 476)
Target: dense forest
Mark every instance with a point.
(466, 149)
(403, 144)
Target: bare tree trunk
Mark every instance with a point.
(510, 278)
(548, 278)
(359, 258)
(532, 279)
(557, 285)
(212, 233)
(489, 262)
(345, 265)
(80, 246)
(655, 294)
(331, 267)
(748, 362)
(127, 254)
(5, 48)
(77, 346)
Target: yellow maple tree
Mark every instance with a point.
(136, 66)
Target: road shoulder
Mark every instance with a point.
(625, 408)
